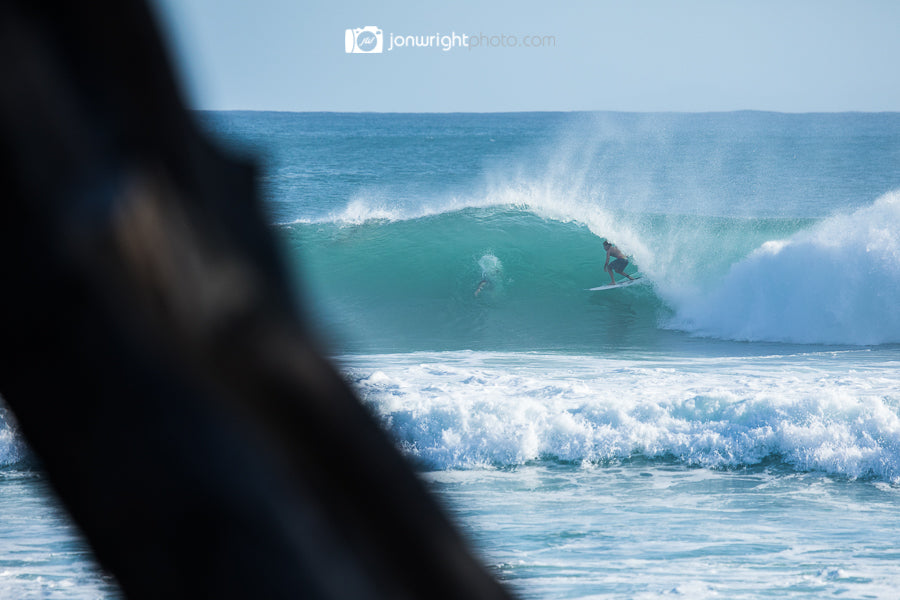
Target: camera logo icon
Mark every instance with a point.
(363, 40)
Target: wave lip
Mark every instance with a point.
(837, 283)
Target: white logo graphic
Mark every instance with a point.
(364, 40)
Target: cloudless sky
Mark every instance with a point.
(639, 55)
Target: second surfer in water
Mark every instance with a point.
(618, 265)
(484, 283)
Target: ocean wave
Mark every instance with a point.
(835, 283)
(475, 410)
(499, 276)
(414, 276)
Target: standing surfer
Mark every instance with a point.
(618, 265)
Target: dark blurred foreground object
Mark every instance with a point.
(150, 349)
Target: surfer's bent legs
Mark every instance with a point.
(618, 266)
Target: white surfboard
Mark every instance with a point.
(621, 284)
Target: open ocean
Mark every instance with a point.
(729, 428)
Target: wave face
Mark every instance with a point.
(494, 277)
(509, 271)
(475, 410)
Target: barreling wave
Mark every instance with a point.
(510, 272)
(477, 410)
(477, 277)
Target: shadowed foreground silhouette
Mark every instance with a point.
(150, 348)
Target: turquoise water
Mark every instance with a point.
(730, 428)
(644, 529)
(42, 555)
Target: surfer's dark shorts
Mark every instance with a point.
(618, 265)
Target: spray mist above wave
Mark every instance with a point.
(591, 170)
(836, 283)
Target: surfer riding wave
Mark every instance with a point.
(618, 265)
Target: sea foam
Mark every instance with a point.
(12, 447)
(836, 283)
(474, 410)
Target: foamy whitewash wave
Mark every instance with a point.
(471, 410)
(836, 283)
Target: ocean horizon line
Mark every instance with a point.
(526, 112)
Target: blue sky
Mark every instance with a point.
(641, 55)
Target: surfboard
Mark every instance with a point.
(621, 284)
